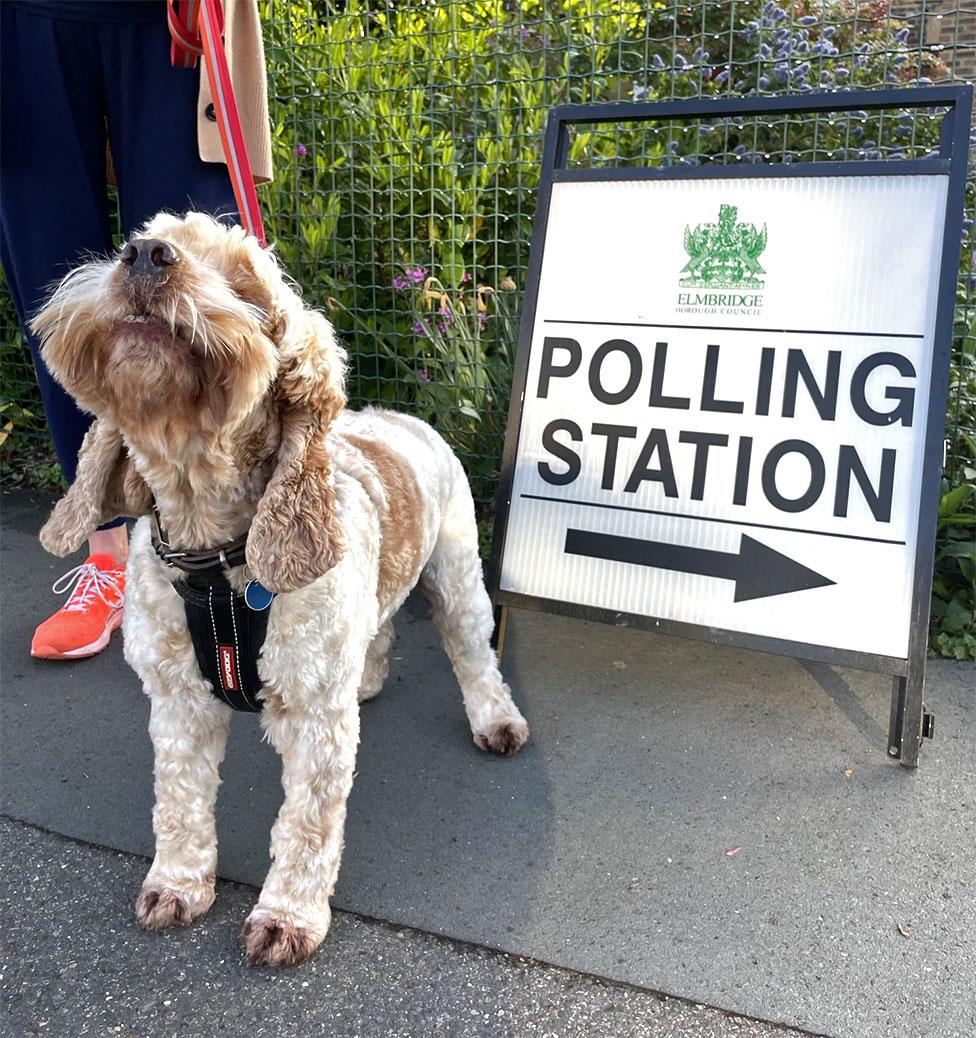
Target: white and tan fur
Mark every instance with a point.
(224, 401)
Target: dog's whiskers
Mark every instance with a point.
(194, 317)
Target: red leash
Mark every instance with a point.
(197, 29)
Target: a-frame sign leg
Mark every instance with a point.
(898, 690)
(908, 722)
(498, 635)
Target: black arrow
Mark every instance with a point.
(757, 570)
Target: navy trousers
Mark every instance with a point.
(68, 86)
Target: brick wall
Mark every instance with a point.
(950, 26)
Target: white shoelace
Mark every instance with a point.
(84, 582)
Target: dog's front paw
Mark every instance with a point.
(160, 906)
(275, 940)
(506, 737)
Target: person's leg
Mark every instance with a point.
(111, 540)
(54, 209)
(53, 205)
(152, 123)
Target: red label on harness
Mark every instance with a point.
(228, 668)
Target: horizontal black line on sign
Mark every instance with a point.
(736, 328)
(708, 519)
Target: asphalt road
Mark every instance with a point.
(74, 963)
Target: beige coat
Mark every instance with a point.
(245, 59)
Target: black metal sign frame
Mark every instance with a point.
(908, 674)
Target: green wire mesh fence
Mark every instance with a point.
(408, 140)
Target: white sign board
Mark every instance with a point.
(725, 402)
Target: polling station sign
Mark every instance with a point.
(729, 399)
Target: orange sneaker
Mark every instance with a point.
(84, 624)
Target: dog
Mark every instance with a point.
(220, 409)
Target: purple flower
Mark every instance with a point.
(419, 328)
(442, 327)
(423, 375)
(301, 151)
(465, 278)
(400, 283)
(807, 19)
(415, 274)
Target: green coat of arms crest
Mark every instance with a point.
(724, 254)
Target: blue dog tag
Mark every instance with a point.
(257, 596)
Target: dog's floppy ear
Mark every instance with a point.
(106, 486)
(296, 536)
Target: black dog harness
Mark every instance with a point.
(227, 627)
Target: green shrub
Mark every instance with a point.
(954, 583)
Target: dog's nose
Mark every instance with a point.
(148, 257)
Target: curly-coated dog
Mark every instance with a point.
(219, 403)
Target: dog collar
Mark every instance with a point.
(226, 555)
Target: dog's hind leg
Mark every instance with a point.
(377, 662)
(452, 580)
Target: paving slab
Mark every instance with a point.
(73, 965)
(607, 845)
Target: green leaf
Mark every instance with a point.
(452, 267)
(954, 499)
(957, 616)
